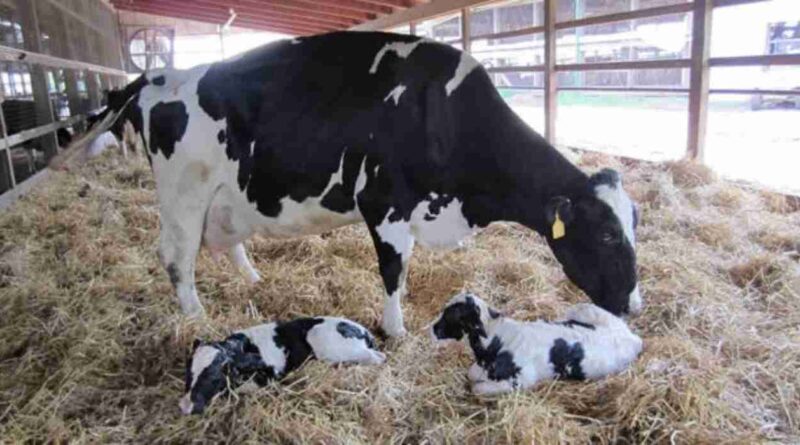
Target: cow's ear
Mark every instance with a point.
(559, 207)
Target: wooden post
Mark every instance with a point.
(698, 79)
(466, 27)
(41, 96)
(550, 79)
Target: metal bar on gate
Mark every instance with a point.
(10, 54)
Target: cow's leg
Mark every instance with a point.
(181, 233)
(394, 244)
(238, 256)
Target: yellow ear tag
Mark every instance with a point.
(558, 228)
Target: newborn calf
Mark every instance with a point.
(270, 351)
(591, 343)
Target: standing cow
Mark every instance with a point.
(403, 133)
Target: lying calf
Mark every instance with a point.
(591, 343)
(270, 351)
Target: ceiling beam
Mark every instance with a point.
(220, 11)
(185, 13)
(352, 5)
(397, 4)
(307, 5)
(422, 11)
(261, 10)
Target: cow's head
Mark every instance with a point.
(464, 314)
(593, 236)
(208, 372)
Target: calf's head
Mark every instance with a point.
(208, 372)
(593, 237)
(464, 314)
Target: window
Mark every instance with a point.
(578, 9)
(506, 16)
(517, 51)
(445, 29)
(754, 29)
(405, 29)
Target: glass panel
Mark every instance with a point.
(770, 27)
(638, 125)
(768, 156)
(578, 9)
(656, 78)
(444, 29)
(525, 50)
(28, 158)
(528, 104)
(518, 80)
(10, 28)
(778, 77)
(655, 38)
(506, 16)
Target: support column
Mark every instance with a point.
(550, 79)
(41, 96)
(698, 79)
(466, 26)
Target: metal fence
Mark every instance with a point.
(56, 59)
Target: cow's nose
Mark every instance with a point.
(186, 405)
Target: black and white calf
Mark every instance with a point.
(590, 343)
(270, 351)
(405, 134)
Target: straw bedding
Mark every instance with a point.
(92, 348)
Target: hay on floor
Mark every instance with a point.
(92, 348)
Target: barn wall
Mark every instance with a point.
(56, 58)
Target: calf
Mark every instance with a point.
(402, 133)
(269, 352)
(591, 343)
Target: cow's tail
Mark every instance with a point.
(98, 125)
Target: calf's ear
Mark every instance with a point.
(196, 344)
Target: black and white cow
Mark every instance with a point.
(589, 344)
(402, 133)
(269, 352)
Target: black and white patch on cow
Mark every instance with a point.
(404, 134)
(270, 351)
(591, 343)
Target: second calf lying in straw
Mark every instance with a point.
(589, 344)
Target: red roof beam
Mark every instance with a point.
(306, 6)
(263, 10)
(166, 5)
(352, 5)
(219, 19)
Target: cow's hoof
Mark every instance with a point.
(194, 313)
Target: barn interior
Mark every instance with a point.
(695, 102)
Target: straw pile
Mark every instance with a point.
(92, 348)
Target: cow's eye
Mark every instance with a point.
(608, 238)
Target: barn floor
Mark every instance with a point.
(92, 348)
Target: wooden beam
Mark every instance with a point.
(628, 89)
(507, 34)
(218, 19)
(723, 3)
(396, 4)
(64, 8)
(424, 11)
(466, 30)
(306, 6)
(248, 10)
(625, 65)
(629, 15)
(550, 75)
(218, 16)
(11, 196)
(699, 74)
(355, 5)
(774, 59)
(517, 69)
(751, 92)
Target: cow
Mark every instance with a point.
(270, 351)
(402, 133)
(510, 355)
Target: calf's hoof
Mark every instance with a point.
(392, 328)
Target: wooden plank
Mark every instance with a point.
(699, 79)
(33, 133)
(628, 15)
(424, 11)
(550, 75)
(10, 197)
(355, 5)
(66, 10)
(507, 34)
(775, 59)
(10, 54)
(723, 3)
(625, 65)
(466, 27)
(628, 89)
(517, 69)
(755, 91)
